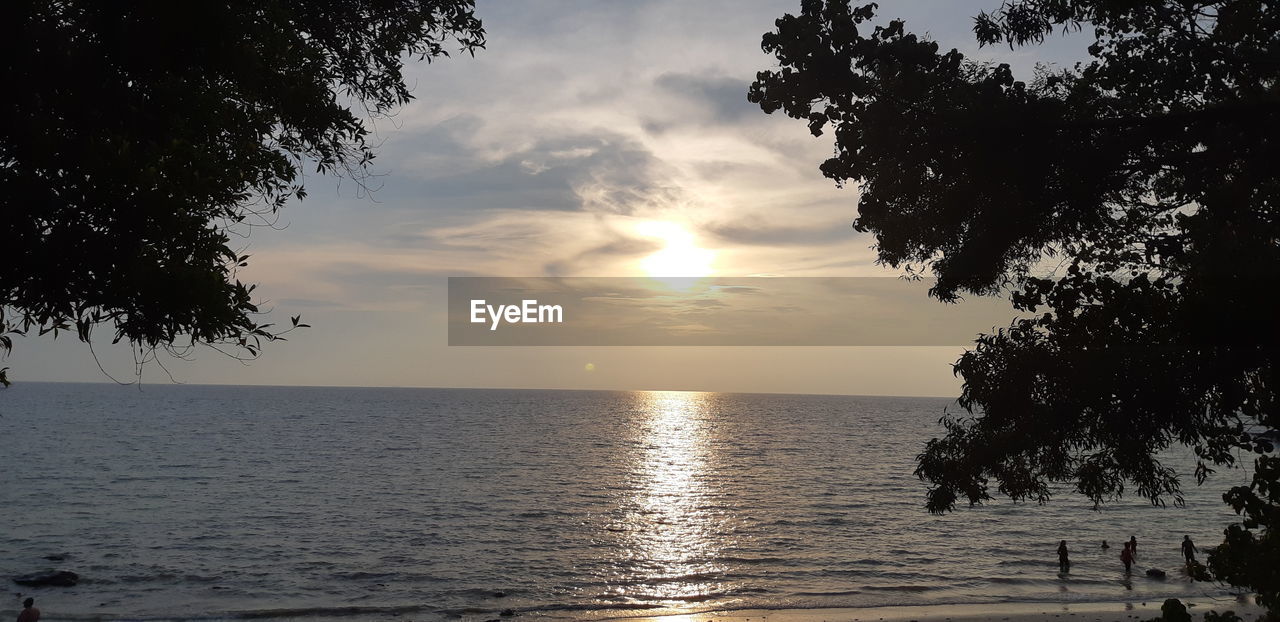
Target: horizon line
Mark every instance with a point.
(140, 385)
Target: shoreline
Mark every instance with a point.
(1084, 611)
(1119, 611)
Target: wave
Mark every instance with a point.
(658, 580)
(685, 578)
(1027, 562)
(871, 562)
(557, 607)
(120, 479)
(837, 593)
(751, 560)
(252, 614)
(691, 598)
(386, 576)
(159, 577)
(609, 610)
(1055, 580)
(541, 513)
(313, 612)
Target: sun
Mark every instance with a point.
(680, 256)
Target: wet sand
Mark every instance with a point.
(1006, 612)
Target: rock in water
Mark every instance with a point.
(1156, 573)
(60, 578)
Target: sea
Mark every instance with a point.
(228, 502)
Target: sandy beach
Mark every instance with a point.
(1003, 612)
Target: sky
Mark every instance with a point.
(610, 138)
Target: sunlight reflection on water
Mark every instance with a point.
(672, 533)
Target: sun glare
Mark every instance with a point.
(680, 256)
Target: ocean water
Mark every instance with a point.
(202, 502)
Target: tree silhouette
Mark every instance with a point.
(136, 140)
(1129, 204)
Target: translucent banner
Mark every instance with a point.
(718, 311)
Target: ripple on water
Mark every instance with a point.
(266, 501)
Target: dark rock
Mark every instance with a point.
(1174, 611)
(507, 613)
(60, 578)
(499, 594)
(60, 557)
(1156, 573)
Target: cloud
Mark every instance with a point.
(621, 246)
(537, 159)
(540, 155)
(758, 234)
(717, 98)
(444, 168)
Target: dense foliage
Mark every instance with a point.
(136, 140)
(1129, 204)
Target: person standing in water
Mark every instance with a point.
(1188, 550)
(1126, 556)
(1133, 546)
(1105, 545)
(1064, 564)
(29, 612)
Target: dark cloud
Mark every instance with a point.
(724, 96)
(760, 234)
(455, 174)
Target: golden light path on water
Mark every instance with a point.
(673, 539)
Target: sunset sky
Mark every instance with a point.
(589, 139)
